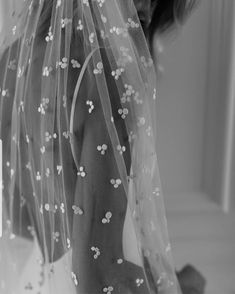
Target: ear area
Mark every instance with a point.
(143, 8)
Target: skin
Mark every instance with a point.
(87, 129)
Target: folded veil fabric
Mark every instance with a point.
(77, 122)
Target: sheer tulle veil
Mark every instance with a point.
(78, 126)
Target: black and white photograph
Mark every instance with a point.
(117, 147)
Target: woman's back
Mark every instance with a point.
(78, 129)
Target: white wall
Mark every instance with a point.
(182, 104)
(219, 171)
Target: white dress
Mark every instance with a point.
(29, 274)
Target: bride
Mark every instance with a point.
(83, 207)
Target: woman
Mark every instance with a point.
(80, 171)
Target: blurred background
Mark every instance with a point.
(196, 141)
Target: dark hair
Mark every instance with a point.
(165, 14)
(168, 13)
(44, 21)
